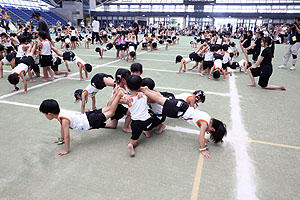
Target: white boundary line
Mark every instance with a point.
(245, 173)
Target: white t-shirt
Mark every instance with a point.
(218, 64)
(46, 48)
(193, 116)
(95, 26)
(183, 96)
(138, 108)
(20, 53)
(226, 58)
(19, 69)
(76, 121)
(77, 60)
(243, 63)
(131, 49)
(91, 90)
(187, 60)
(209, 56)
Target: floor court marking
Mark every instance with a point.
(273, 144)
(197, 179)
(245, 173)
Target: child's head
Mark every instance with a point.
(134, 82)
(10, 56)
(178, 59)
(266, 41)
(88, 67)
(234, 65)
(225, 47)
(49, 107)
(216, 74)
(148, 82)
(77, 94)
(132, 54)
(13, 79)
(22, 39)
(219, 131)
(121, 75)
(42, 35)
(68, 55)
(72, 28)
(200, 96)
(136, 69)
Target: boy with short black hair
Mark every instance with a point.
(82, 65)
(90, 120)
(141, 119)
(136, 69)
(45, 55)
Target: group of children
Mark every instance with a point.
(136, 99)
(26, 57)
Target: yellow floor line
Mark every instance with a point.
(273, 144)
(196, 185)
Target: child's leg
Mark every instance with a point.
(61, 73)
(45, 72)
(108, 81)
(51, 73)
(251, 78)
(156, 97)
(109, 111)
(126, 127)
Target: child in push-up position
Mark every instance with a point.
(90, 120)
(176, 108)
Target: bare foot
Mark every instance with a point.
(52, 79)
(127, 130)
(131, 150)
(183, 70)
(147, 134)
(160, 129)
(24, 92)
(45, 80)
(201, 75)
(66, 75)
(190, 68)
(252, 85)
(178, 72)
(31, 81)
(230, 73)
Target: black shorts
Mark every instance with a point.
(225, 65)
(154, 45)
(17, 60)
(144, 45)
(174, 108)
(263, 77)
(96, 119)
(27, 60)
(255, 55)
(62, 38)
(168, 95)
(109, 46)
(157, 120)
(9, 49)
(74, 39)
(169, 41)
(138, 126)
(54, 67)
(208, 64)
(117, 46)
(123, 47)
(120, 112)
(46, 60)
(35, 68)
(97, 80)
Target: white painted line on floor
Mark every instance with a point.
(245, 172)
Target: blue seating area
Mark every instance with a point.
(24, 14)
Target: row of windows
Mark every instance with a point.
(207, 8)
(27, 3)
(217, 1)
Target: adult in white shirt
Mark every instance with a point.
(95, 33)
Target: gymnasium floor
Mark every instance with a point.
(258, 160)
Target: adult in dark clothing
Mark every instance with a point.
(255, 48)
(246, 42)
(135, 28)
(42, 25)
(2, 23)
(265, 70)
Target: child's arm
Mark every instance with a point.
(30, 76)
(260, 59)
(93, 102)
(181, 64)
(211, 71)
(202, 149)
(66, 135)
(57, 51)
(222, 71)
(80, 72)
(84, 96)
(1, 69)
(25, 83)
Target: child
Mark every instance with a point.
(176, 108)
(8, 60)
(183, 62)
(131, 52)
(98, 82)
(45, 55)
(145, 42)
(89, 120)
(22, 48)
(141, 119)
(265, 70)
(87, 68)
(67, 56)
(208, 62)
(108, 47)
(87, 42)
(136, 69)
(54, 66)
(120, 81)
(217, 69)
(23, 67)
